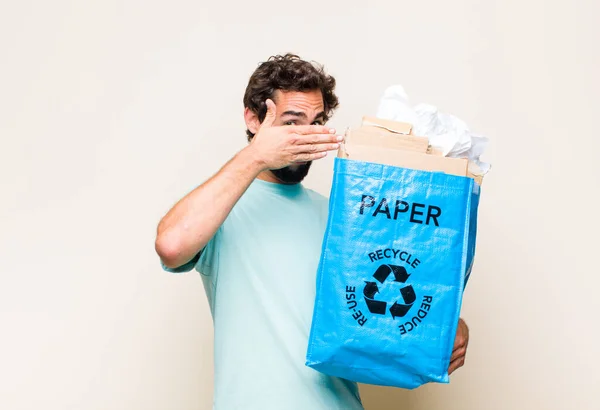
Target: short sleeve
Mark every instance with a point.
(208, 262)
(205, 261)
(185, 267)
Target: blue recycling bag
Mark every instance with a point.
(396, 257)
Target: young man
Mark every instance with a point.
(254, 233)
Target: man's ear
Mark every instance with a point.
(252, 122)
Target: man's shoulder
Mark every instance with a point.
(316, 197)
(321, 204)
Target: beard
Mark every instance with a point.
(292, 174)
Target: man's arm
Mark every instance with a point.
(191, 223)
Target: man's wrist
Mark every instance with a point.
(252, 161)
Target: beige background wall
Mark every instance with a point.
(111, 110)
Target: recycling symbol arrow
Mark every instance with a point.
(407, 293)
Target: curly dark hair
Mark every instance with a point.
(287, 73)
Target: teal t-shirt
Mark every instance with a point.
(259, 273)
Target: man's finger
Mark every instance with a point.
(310, 157)
(317, 139)
(312, 148)
(454, 365)
(271, 114)
(459, 343)
(312, 129)
(462, 335)
(458, 353)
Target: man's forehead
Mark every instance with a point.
(299, 100)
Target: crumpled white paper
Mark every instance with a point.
(445, 131)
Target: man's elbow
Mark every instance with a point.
(169, 250)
